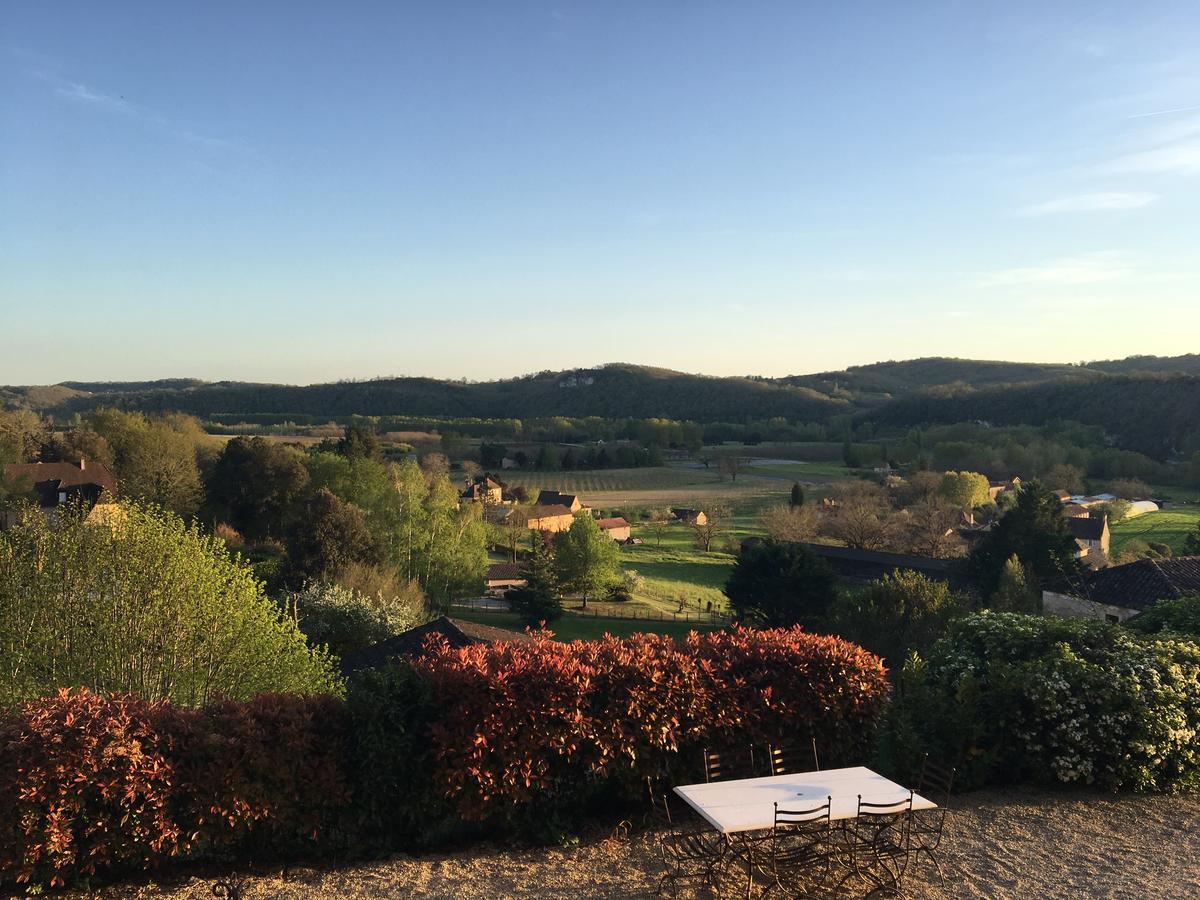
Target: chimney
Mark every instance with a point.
(82, 464)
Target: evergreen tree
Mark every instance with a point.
(538, 600)
(360, 442)
(797, 498)
(781, 584)
(547, 459)
(1036, 532)
(1014, 593)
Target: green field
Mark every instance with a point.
(1168, 526)
(586, 628)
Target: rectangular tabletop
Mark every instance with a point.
(748, 804)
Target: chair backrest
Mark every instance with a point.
(814, 815)
(782, 759)
(660, 809)
(936, 782)
(722, 765)
(891, 821)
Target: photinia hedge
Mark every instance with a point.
(92, 784)
(531, 733)
(544, 721)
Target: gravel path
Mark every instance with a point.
(1013, 844)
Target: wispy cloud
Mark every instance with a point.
(1172, 148)
(87, 95)
(1109, 201)
(1165, 112)
(1091, 268)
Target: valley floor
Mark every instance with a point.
(1010, 844)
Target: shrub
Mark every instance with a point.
(144, 604)
(1180, 615)
(1014, 699)
(344, 620)
(97, 785)
(778, 584)
(526, 727)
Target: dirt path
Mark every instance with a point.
(999, 845)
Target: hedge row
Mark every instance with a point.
(1013, 699)
(508, 734)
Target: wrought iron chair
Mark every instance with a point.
(880, 848)
(687, 855)
(784, 758)
(798, 858)
(723, 765)
(935, 783)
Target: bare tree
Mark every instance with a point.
(860, 522)
(712, 527)
(930, 529)
(660, 522)
(792, 523)
(730, 464)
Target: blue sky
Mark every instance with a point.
(309, 191)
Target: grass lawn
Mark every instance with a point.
(676, 570)
(585, 628)
(1168, 526)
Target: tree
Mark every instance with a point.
(1131, 489)
(897, 613)
(547, 459)
(142, 603)
(930, 528)
(154, 460)
(585, 557)
(1191, 543)
(861, 517)
(792, 523)
(1113, 510)
(965, 490)
(436, 466)
(1036, 532)
(360, 441)
(797, 495)
(730, 464)
(1065, 477)
(329, 535)
(537, 601)
(1014, 592)
(850, 455)
(921, 487)
(78, 445)
(660, 524)
(256, 484)
(22, 434)
(776, 584)
(712, 528)
(491, 456)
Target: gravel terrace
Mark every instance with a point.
(1010, 844)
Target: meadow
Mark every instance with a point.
(1167, 526)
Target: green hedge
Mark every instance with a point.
(1012, 699)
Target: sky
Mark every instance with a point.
(302, 192)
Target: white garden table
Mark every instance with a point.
(748, 804)
(736, 807)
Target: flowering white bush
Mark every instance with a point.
(345, 620)
(1010, 698)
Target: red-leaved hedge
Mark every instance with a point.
(93, 784)
(102, 784)
(532, 722)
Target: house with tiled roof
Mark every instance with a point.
(617, 528)
(552, 518)
(1091, 534)
(54, 484)
(457, 633)
(554, 498)
(1120, 592)
(484, 489)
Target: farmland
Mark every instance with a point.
(1168, 526)
(760, 484)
